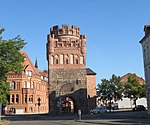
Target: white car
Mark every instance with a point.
(101, 109)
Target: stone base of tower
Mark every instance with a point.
(68, 91)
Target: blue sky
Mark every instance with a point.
(113, 29)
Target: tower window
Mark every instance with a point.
(67, 62)
(65, 44)
(77, 61)
(56, 61)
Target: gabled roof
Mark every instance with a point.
(124, 78)
(90, 72)
(28, 65)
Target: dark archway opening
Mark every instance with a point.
(67, 105)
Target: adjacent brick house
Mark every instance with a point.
(71, 85)
(124, 78)
(28, 90)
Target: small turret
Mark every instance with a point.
(147, 29)
(83, 43)
(51, 41)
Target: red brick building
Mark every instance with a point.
(71, 85)
(28, 90)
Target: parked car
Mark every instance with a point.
(101, 109)
(139, 108)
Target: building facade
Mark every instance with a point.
(28, 90)
(71, 85)
(145, 42)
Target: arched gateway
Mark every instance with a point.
(69, 86)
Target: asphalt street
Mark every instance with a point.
(114, 118)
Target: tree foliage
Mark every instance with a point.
(110, 89)
(10, 60)
(133, 89)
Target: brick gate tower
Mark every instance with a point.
(66, 55)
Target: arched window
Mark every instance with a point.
(13, 98)
(71, 59)
(31, 99)
(67, 61)
(29, 73)
(31, 109)
(18, 85)
(76, 59)
(28, 85)
(73, 43)
(56, 59)
(65, 43)
(52, 60)
(61, 59)
(12, 85)
(17, 98)
(81, 60)
(25, 85)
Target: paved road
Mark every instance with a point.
(115, 118)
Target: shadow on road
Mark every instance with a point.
(120, 117)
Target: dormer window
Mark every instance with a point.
(42, 77)
(29, 73)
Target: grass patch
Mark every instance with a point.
(3, 122)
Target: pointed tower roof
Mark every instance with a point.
(36, 64)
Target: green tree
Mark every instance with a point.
(110, 89)
(116, 87)
(10, 60)
(103, 90)
(133, 89)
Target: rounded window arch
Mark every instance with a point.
(31, 109)
(52, 59)
(29, 73)
(66, 59)
(71, 59)
(12, 85)
(76, 59)
(81, 60)
(25, 85)
(61, 58)
(56, 59)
